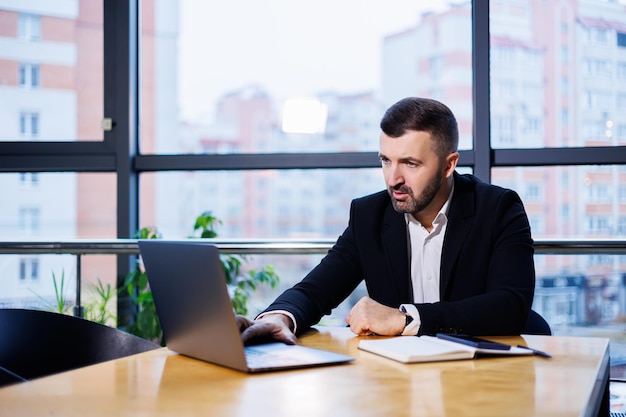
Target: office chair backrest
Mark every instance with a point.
(37, 343)
(7, 377)
(537, 325)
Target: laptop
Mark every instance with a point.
(197, 318)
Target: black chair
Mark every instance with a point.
(537, 325)
(36, 343)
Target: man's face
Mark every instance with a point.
(413, 172)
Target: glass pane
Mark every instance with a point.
(580, 295)
(256, 204)
(289, 77)
(51, 67)
(55, 207)
(585, 295)
(558, 74)
(48, 282)
(260, 204)
(570, 201)
(291, 269)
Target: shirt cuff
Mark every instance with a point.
(414, 326)
(286, 313)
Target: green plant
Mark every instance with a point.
(60, 304)
(206, 223)
(98, 310)
(241, 283)
(145, 322)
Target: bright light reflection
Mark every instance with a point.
(304, 115)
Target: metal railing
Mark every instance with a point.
(275, 246)
(81, 247)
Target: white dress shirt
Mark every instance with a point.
(425, 250)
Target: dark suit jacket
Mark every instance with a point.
(487, 269)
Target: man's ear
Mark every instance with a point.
(450, 164)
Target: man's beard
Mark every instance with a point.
(412, 204)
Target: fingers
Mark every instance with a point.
(268, 329)
(243, 322)
(358, 317)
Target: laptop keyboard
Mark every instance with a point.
(258, 357)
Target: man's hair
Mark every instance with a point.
(423, 115)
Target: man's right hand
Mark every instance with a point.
(273, 326)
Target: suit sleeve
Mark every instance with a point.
(327, 285)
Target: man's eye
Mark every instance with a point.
(384, 160)
(411, 164)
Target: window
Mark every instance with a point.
(29, 269)
(601, 259)
(29, 75)
(29, 178)
(502, 56)
(565, 116)
(29, 124)
(599, 193)
(29, 27)
(620, 132)
(621, 39)
(600, 36)
(621, 225)
(29, 219)
(621, 70)
(503, 130)
(599, 225)
(533, 193)
(536, 225)
(621, 101)
(621, 193)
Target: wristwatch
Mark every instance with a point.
(407, 317)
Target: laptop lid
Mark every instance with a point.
(193, 305)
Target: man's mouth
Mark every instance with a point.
(399, 195)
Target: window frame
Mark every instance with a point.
(118, 151)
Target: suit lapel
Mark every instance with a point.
(394, 237)
(459, 224)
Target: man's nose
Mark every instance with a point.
(395, 176)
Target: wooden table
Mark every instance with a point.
(573, 383)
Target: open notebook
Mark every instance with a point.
(410, 349)
(191, 298)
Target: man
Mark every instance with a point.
(439, 251)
